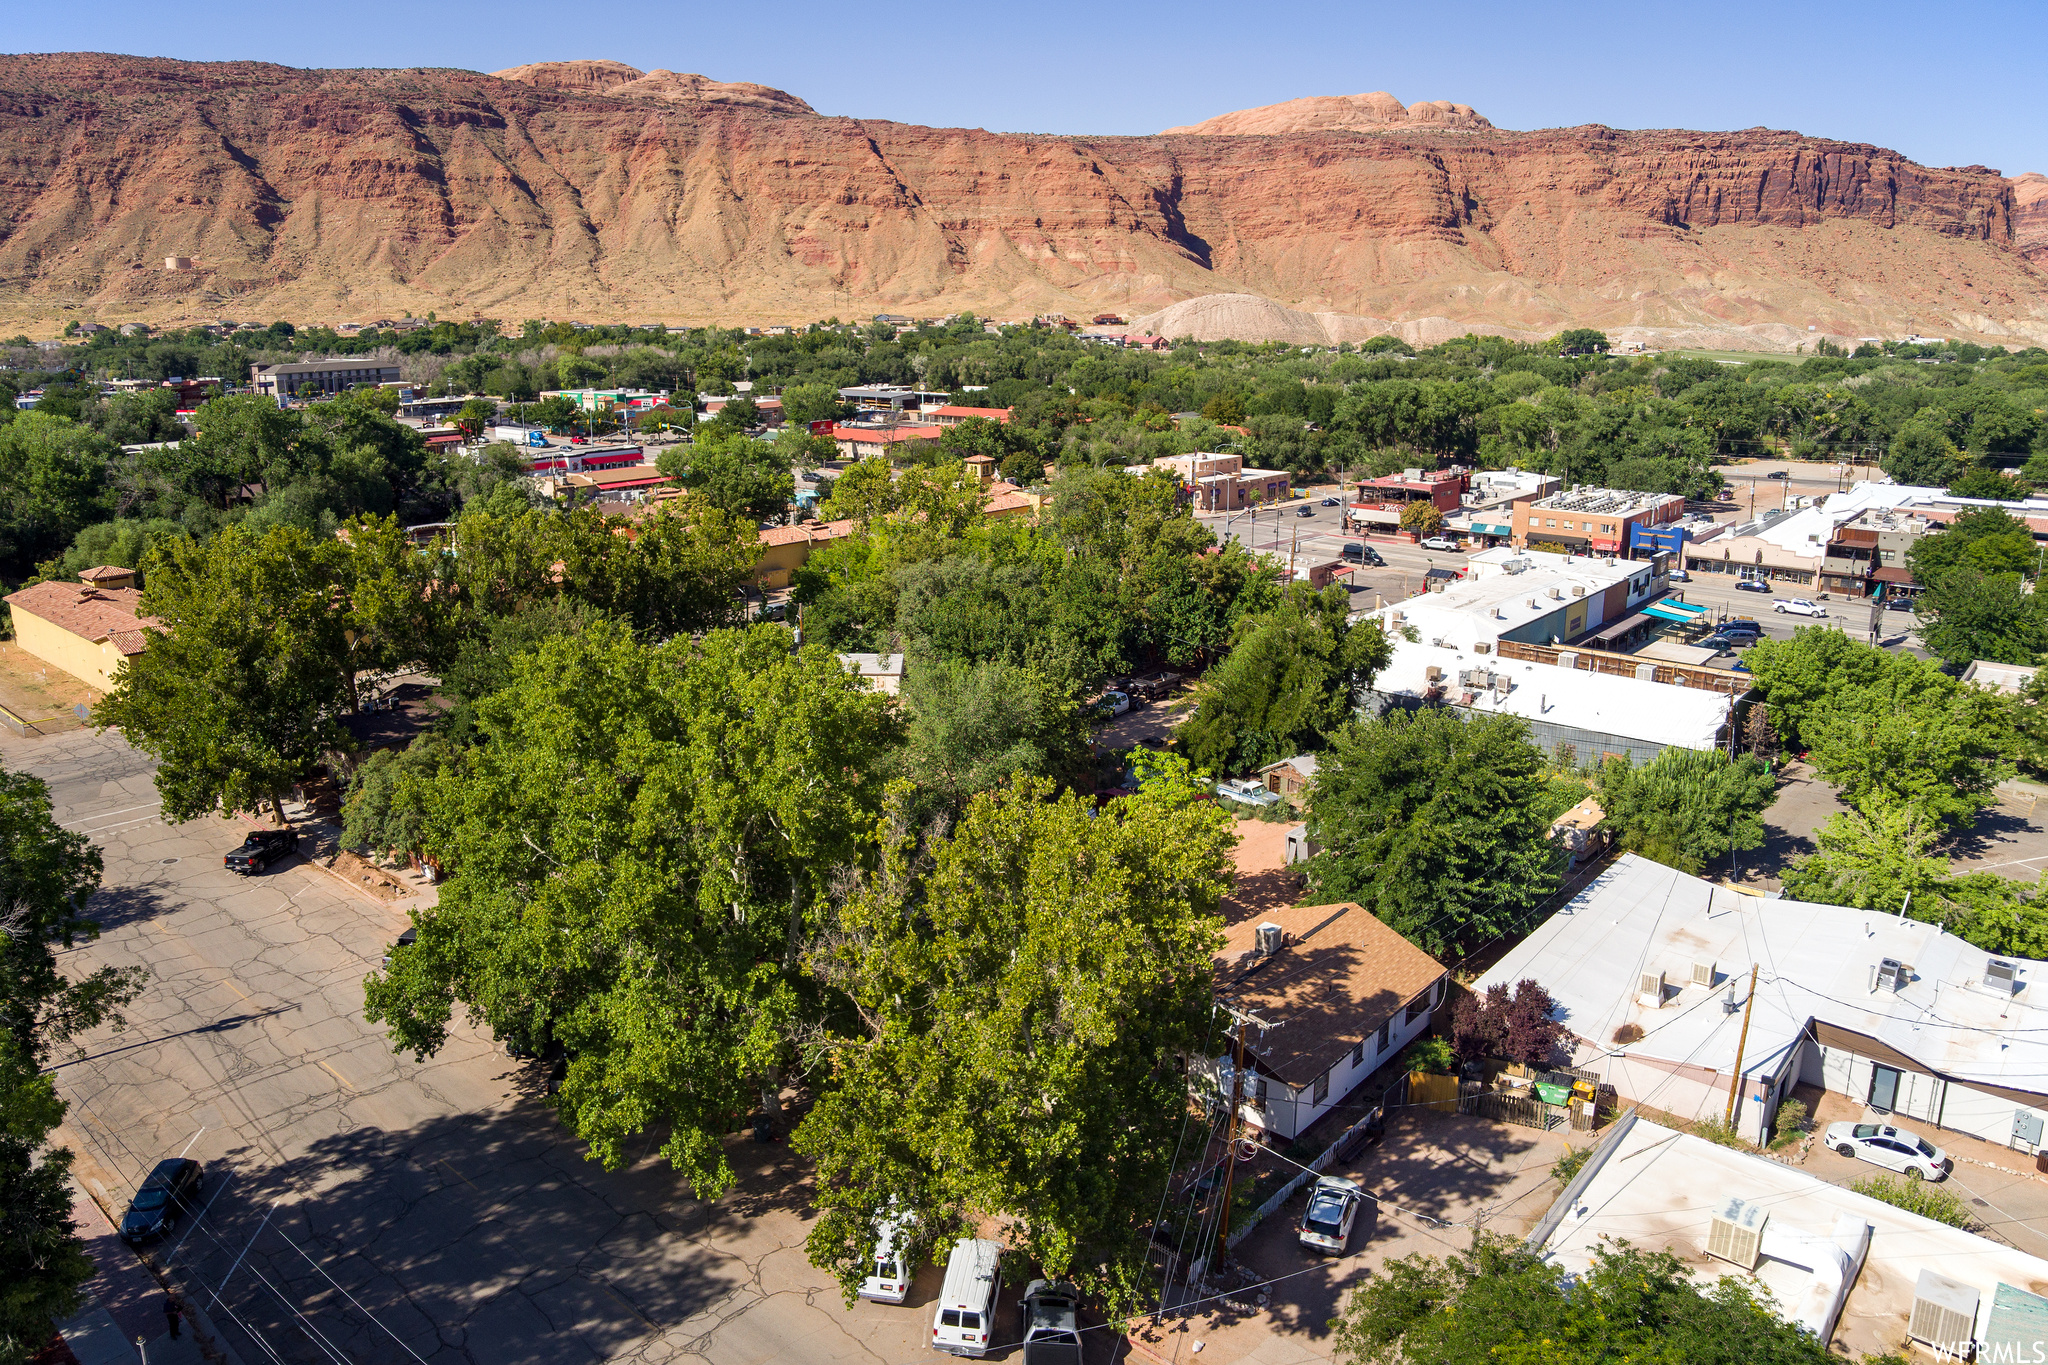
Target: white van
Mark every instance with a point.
(889, 1281)
(964, 1322)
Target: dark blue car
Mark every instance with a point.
(171, 1192)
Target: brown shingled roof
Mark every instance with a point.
(1341, 974)
(88, 612)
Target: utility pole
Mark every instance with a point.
(1230, 1128)
(1741, 1043)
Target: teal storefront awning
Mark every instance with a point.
(1673, 611)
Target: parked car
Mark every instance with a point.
(1110, 705)
(1740, 626)
(890, 1281)
(1779, 474)
(262, 848)
(1799, 606)
(1050, 1323)
(963, 1320)
(1726, 644)
(1304, 511)
(1899, 604)
(405, 940)
(1332, 1208)
(1895, 1149)
(1249, 790)
(1440, 543)
(170, 1192)
(1751, 585)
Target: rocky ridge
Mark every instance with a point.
(1336, 113)
(595, 191)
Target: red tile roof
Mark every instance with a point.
(993, 414)
(886, 435)
(90, 613)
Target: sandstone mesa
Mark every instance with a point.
(593, 190)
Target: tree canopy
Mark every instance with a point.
(1687, 807)
(1436, 823)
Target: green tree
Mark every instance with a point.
(53, 483)
(47, 875)
(637, 856)
(236, 695)
(1580, 341)
(474, 416)
(382, 812)
(1020, 992)
(1921, 452)
(1501, 1301)
(1978, 482)
(1987, 539)
(1966, 615)
(1291, 679)
(1422, 518)
(738, 475)
(1437, 824)
(803, 404)
(1687, 807)
(977, 725)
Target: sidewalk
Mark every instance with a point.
(125, 1302)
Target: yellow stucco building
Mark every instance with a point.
(83, 628)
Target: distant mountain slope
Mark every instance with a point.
(589, 190)
(1338, 113)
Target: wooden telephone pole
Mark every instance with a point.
(1735, 1083)
(1233, 1127)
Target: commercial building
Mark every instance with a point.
(857, 442)
(1862, 1275)
(1581, 716)
(889, 397)
(952, 415)
(606, 400)
(1216, 482)
(1593, 520)
(86, 629)
(1891, 1013)
(1531, 596)
(1486, 510)
(321, 376)
(1377, 508)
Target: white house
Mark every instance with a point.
(1341, 993)
(1651, 971)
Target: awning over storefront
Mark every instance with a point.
(1484, 528)
(1901, 577)
(1627, 626)
(1673, 611)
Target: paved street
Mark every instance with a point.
(365, 1207)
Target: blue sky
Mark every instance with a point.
(1946, 83)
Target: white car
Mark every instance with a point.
(1895, 1149)
(1440, 543)
(890, 1282)
(1112, 704)
(1249, 790)
(1799, 606)
(1332, 1208)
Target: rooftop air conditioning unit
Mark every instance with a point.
(1557, 594)
(1650, 986)
(1892, 975)
(1944, 1314)
(1703, 974)
(1737, 1233)
(1578, 592)
(1569, 659)
(1270, 936)
(2002, 976)
(1482, 648)
(1433, 673)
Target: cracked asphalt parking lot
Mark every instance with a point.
(365, 1207)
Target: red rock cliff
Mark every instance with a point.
(604, 193)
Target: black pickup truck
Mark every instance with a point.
(262, 848)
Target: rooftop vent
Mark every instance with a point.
(1944, 1314)
(2002, 976)
(1737, 1233)
(1578, 592)
(1270, 937)
(1650, 986)
(1703, 974)
(1433, 673)
(1891, 975)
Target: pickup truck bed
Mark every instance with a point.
(262, 848)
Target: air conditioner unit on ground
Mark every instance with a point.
(1702, 973)
(2001, 975)
(1737, 1232)
(1944, 1314)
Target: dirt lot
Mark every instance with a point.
(1436, 1176)
(39, 692)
